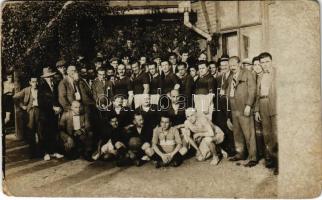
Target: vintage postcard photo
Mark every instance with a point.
(181, 99)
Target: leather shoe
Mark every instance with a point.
(236, 158)
(251, 163)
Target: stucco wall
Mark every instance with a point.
(294, 41)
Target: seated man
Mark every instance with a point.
(206, 136)
(138, 141)
(111, 141)
(75, 132)
(166, 143)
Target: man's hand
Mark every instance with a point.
(247, 111)
(258, 117)
(24, 107)
(229, 124)
(69, 143)
(7, 119)
(56, 109)
(165, 158)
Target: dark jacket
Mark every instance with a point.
(245, 91)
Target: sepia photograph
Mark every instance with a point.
(161, 99)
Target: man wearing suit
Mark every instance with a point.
(241, 92)
(28, 101)
(75, 132)
(265, 110)
(49, 110)
(68, 90)
(102, 89)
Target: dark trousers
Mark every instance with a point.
(269, 123)
(32, 131)
(48, 132)
(220, 119)
(82, 146)
(176, 160)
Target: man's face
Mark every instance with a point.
(184, 57)
(224, 66)
(203, 69)
(138, 120)
(248, 66)
(143, 60)
(182, 70)
(165, 123)
(257, 67)
(129, 43)
(135, 68)
(109, 72)
(114, 64)
(193, 72)
(75, 108)
(152, 69)
(192, 117)
(118, 101)
(213, 69)
(234, 65)
(83, 73)
(146, 100)
(157, 60)
(174, 95)
(61, 69)
(121, 70)
(165, 67)
(98, 64)
(91, 73)
(114, 122)
(76, 76)
(71, 70)
(173, 60)
(33, 82)
(101, 75)
(126, 60)
(266, 64)
(202, 57)
(9, 78)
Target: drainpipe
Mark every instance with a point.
(187, 23)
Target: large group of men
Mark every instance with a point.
(164, 110)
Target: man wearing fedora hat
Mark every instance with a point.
(49, 110)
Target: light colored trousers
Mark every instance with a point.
(244, 134)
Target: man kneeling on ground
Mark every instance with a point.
(75, 132)
(204, 136)
(166, 143)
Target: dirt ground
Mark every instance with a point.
(79, 178)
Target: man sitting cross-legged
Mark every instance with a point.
(75, 132)
(111, 141)
(166, 143)
(203, 136)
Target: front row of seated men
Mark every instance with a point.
(139, 142)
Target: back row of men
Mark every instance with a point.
(159, 96)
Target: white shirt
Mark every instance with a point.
(34, 94)
(265, 84)
(232, 89)
(76, 122)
